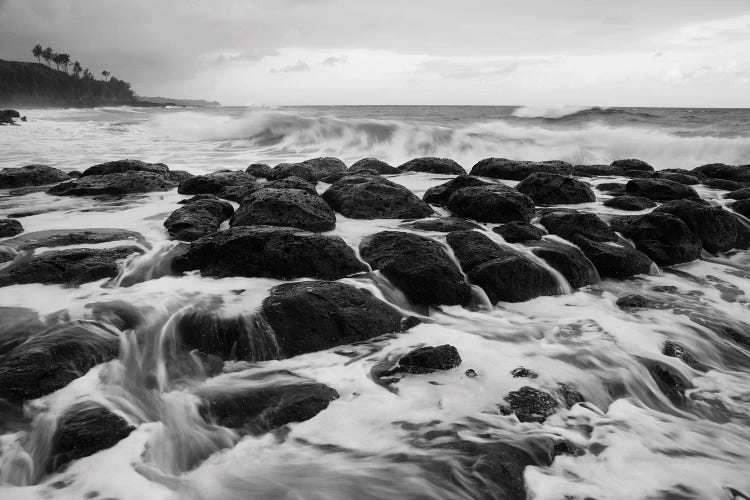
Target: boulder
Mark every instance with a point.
(284, 170)
(739, 194)
(50, 360)
(117, 184)
(570, 262)
(365, 196)
(325, 167)
(270, 252)
(258, 170)
(84, 430)
(630, 203)
(285, 207)
(597, 170)
(669, 381)
(439, 195)
(682, 178)
(375, 165)
(666, 239)
(502, 168)
(239, 193)
(310, 316)
(418, 266)
(723, 184)
(472, 248)
(198, 218)
(728, 172)
(523, 372)
(568, 224)
(7, 116)
(632, 301)
(660, 189)
(68, 237)
(513, 278)
(433, 165)
(552, 189)
(632, 164)
(613, 188)
(31, 175)
(428, 359)
(742, 207)
(519, 232)
(530, 405)
(10, 227)
(717, 229)
(492, 203)
(122, 166)
(613, 260)
(67, 267)
(215, 182)
(443, 225)
(675, 350)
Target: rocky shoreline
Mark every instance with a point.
(505, 232)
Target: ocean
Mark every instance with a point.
(433, 436)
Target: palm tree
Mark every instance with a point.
(105, 74)
(77, 69)
(37, 51)
(64, 61)
(47, 55)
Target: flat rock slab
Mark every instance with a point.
(113, 184)
(66, 237)
(31, 175)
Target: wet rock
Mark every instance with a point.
(83, 430)
(50, 360)
(472, 248)
(513, 278)
(443, 225)
(596, 170)
(632, 164)
(613, 260)
(568, 224)
(502, 168)
(428, 359)
(570, 262)
(717, 229)
(67, 267)
(228, 337)
(69, 237)
(418, 266)
(113, 184)
(552, 189)
(122, 166)
(660, 189)
(301, 170)
(239, 193)
(742, 207)
(682, 178)
(365, 196)
(7, 116)
(31, 175)
(325, 167)
(570, 395)
(631, 203)
(493, 203)
(6, 254)
(10, 227)
(258, 170)
(675, 350)
(440, 194)
(723, 184)
(613, 188)
(198, 218)
(375, 165)
(310, 316)
(728, 172)
(632, 301)
(522, 372)
(663, 237)
(519, 232)
(669, 381)
(287, 208)
(530, 405)
(215, 182)
(271, 252)
(433, 165)
(16, 325)
(739, 194)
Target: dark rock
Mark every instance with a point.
(113, 184)
(178, 176)
(311, 316)
(660, 189)
(271, 252)
(739, 194)
(50, 360)
(513, 278)
(440, 194)
(122, 166)
(632, 301)
(568, 224)
(325, 167)
(663, 237)
(418, 266)
(215, 182)
(433, 165)
(83, 430)
(228, 337)
(570, 395)
(493, 203)
(570, 262)
(258, 170)
(530, 405)
(638, 174)
(502, 168)
(67, 267)
(10, 227)
(723, 184)
(522, 372)
(632, 164)
(428, 359)
(613, 188)
(239, 193)
(285, 207)
(688, 180)
(301, 170)
(631, 203)
(675, 350)
(7, 115)
(6, 254)
(552, 189)
(443, 225)
(373, 164)
(198, 218)
(31, 175)
(364, 196)
(69, 237)
(729, 172)
(471, 373)
(717, 229)
(518, 232)
(472, 248)
(742, 207)
(16, 325)
(669, 381)
(612, 260)
(596, 170)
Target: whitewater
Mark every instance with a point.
(627, 440)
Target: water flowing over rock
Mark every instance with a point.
(519, 232)
(433, 165)
(663, 237)
(568, 224)
(631, 203)
(31, 175)
(515, 170)
(552, 189)
(198, 218)
(570, 262)
(10, 227)
(116, 184)
(494, 203)
(284, 170)
(660, 189)
(613, 260)
(272, 252)
(717, 229)
(285, 207)
(418, 266)
(375, 165)
(365, 196)
(439, 195)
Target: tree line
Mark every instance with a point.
(62, 60)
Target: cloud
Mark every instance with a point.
(254, 54)
(298, 67)
(714, 32)
(458, 68)
(333, 61)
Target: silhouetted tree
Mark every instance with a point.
(87, 74)
(57, 59)
(47, 55)
(37, 51)
(77, 69)
(64, 61)
(105, 74)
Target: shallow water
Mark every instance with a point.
(420, 441)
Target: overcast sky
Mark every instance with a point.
(580, 52)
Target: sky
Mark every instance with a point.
(692, 53)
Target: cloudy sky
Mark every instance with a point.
(580, 52)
